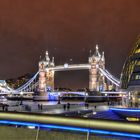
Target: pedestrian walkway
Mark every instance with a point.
(59, 109)
(54, 108)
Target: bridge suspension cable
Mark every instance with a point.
(113, 77)
(109, 77)
(23, 87)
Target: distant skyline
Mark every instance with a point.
(68, 30)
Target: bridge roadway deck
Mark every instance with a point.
(67, 67)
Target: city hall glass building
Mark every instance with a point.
(130, 77)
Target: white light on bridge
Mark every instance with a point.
(66, 65)
(106, 94)
(97, 66)
(21, 93)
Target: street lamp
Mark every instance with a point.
(21, 97)
(58, 98)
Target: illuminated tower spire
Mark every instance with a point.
(90, 53)
(52, 62)
(47, 57)
(103, 56)
(52, 59)
(97, 53)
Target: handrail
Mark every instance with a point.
(118, 126)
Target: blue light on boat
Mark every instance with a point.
(125, 109)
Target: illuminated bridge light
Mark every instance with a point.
(66, 65)
(102, 132)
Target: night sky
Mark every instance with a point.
(68, 29)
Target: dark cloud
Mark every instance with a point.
(68, 29)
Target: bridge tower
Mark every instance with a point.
(96, 79)
(46, 76)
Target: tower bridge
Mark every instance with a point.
(99, 78)
(98, 75)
